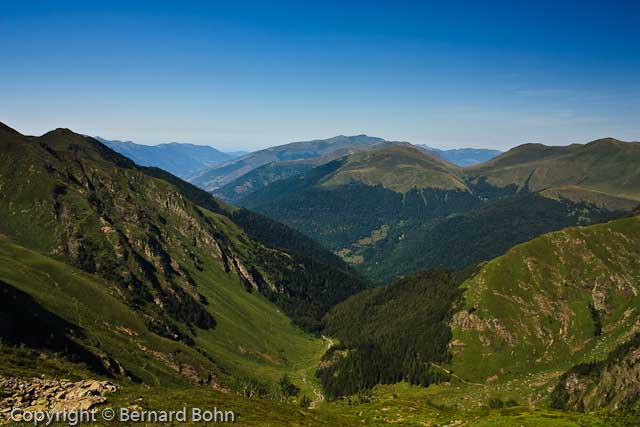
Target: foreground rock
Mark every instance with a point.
(36, 394)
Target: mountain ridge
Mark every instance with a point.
(592, 166)
(218, 176)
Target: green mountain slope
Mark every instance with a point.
(96, 326)
(553, 321)
(562, 299)
(398, 167)
(605, 167)
(479, 234)
(221, 175)
(164, 254)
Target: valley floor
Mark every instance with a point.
(400, 405)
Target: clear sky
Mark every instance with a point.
(247, 75)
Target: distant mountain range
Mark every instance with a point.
(182, 160)
(236, 179)
(232, 176)
(379, 207)
(218, 176)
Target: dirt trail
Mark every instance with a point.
(319, 397)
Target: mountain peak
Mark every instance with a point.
(63, 133)
(608, 142)
(399, 167)
(607, 139)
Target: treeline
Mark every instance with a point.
(393, 333)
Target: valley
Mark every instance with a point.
(157, 289)
(117, 272)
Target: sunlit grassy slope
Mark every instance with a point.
(399, 168)
(564, 298)
(606, 166)
(252, 339)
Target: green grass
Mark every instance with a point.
(399, 405)
(603, 172)
(399, 168)
(532, 304)
(161, 263)
(252, 339)
(86, 301)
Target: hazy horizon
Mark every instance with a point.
(434, 145)
(240, 149)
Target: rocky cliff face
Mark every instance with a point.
(612, 384)
(73, 199)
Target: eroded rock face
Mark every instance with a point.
(612, 384)
(37, 394)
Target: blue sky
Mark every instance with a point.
(247, 75)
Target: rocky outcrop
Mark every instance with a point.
(37, 394)
(612, 384)
(489, 330)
